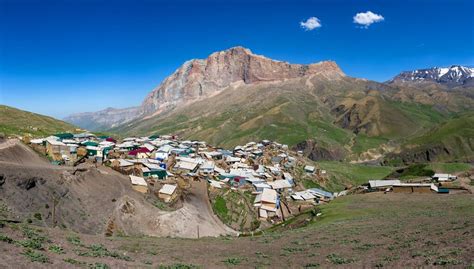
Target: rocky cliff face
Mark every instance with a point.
(312, 150)
(198, 79)
(202, 78)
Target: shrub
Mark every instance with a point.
(7, 239)
(73, 261)
(99, 265)
(74, 239)
(36, 256)
(419, 170)
(336, 259)
(98, 250)
(179, 266)
(34, 241)
(38, 216)
(31, 244)
(233, 261)
(56, 249)
(446, 261)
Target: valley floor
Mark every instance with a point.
(367, 230)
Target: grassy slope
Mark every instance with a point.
(345, 174)
(455, 134)
(294, 111)
(18, 122)
(450, 167)
(288, 113)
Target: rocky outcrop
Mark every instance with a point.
(197, 79)
(29, 182)
(316, 152)
(420, 155)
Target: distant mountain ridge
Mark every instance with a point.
(104, 119)
(455, 75)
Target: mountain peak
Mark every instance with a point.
(454, 75)
(239, 49)
(201, 78)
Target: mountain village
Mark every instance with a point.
(221, 134)
(267, 170)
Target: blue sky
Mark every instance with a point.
(61, 57)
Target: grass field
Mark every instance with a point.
(345, 174)
(450, 167)
(363, 143)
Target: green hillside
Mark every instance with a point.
(452, 140)
(18, 122)
(345, 115)
(287, 113)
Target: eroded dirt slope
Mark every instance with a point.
(93, 200)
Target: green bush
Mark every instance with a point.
(36, 256)
(56, 249)
(7, 239)
(179, 266)
(98, 265)
(73, 261)
(417, 170)
(34, 241)
(38, 216)
(98, 250)
(233, 261)
(336, 259)
(74, 239)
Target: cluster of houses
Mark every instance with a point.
(68, 147)
(266, 168)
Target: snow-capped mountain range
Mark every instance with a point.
(455, 75)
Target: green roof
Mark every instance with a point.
(64, 135)
(90, 143)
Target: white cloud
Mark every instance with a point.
(311, 24)
(367, 18)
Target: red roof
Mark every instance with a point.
(110, 139)
(139, 150)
